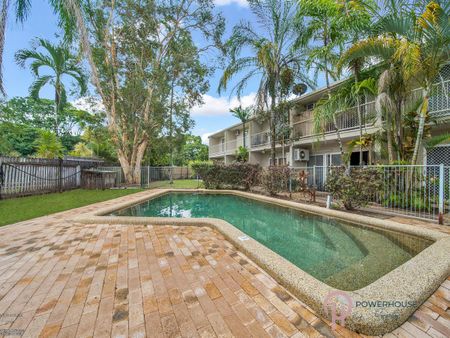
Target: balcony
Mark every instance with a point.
(439, 106)
(346, 120)
(260, 139)
(230, 147)
(217, 150)
(227, 148)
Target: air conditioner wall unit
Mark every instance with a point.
(237, 132)
(301, 155)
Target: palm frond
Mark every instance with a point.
(23, 55)
(22, 9)
(382, 47)
(233, 68)
(37, 85)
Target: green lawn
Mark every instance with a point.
(177, 184)
(21, 209)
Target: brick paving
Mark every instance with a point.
(62, 279)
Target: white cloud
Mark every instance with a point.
(214, 106)
(205, 137)
(241, 3)
(89, 104)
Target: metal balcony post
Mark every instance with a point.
(441, 194)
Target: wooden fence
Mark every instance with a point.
(31, 176)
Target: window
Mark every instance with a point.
(315, 160)
(309, 106)
(354, 158)
(334, 159)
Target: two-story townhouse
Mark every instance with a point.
(307, 148)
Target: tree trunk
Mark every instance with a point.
(423, 114)
(272, 131)
(336, 127)
(138, 163)
(57, 104)
(131, 164)
(243, 134)
(338, 134)
(389, 138)
(3, 19)
(360, 118)
(398, 130)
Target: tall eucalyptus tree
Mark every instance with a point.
(131, 47)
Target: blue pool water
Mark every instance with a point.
(343, 255)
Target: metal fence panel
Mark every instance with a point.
(421, 191)
(151, 174)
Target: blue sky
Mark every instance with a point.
(212, 116)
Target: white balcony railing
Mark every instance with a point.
(439, 106)
(303, 126)
(346, 120)
(228, 148)
(217, 149)
(260, 139)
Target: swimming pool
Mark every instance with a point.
(343, 255)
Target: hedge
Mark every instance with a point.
(235, 176)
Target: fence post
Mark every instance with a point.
(78, 176)
(314, 176)
(441, 194)
(1, 178)
(60, 175)
(290, 185)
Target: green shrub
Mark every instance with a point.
(355, 188)
(275, 179)
(415, 200)
(235, 176)
(202, 169)
(242, 154)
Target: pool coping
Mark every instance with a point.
(414, 281)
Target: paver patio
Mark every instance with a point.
(60, 278)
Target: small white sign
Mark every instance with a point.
(243, 238)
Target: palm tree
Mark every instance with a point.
(344, 98)
(273, 61)
(61, 62)
(244, 115)
(427, 56)
(324, 33)
(357, 22)
(63, 8)
(413, 48)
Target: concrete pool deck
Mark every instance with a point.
(72, 279)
